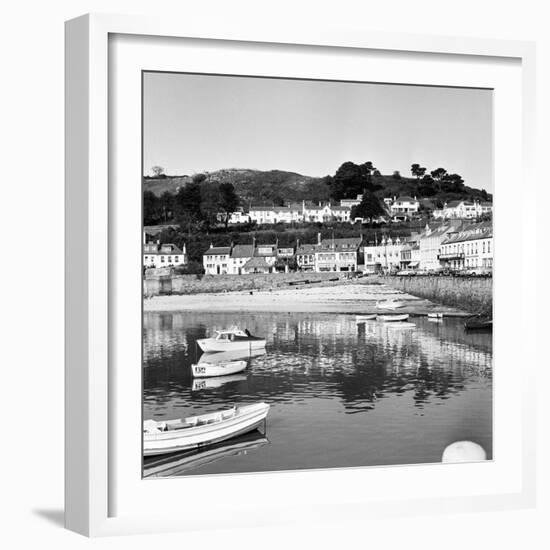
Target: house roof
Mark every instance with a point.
(405, 198)
(215, 250)
(242, 251)
(160, 249)
(340, 208)
(351, 243)
(469, 235)
(307, 248)
(256, 263)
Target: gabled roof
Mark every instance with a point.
(405, 198)
(242, 251)
(307, 249)
(340, 245)
(216, 250)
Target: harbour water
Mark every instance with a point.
(342, 393)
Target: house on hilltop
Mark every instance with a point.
(156, 255)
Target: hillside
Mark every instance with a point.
(279, 187)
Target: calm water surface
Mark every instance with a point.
(341, 394)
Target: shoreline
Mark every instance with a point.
(349, 298)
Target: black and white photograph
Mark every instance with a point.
(317, 274)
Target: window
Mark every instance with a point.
(162, 259)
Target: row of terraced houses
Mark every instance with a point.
(397, 208)
(455, 244)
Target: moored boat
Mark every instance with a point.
(477, 323)
(199, 431)
(223, 368)
(363, 318)
(435, 315)
(232, 340)
(234, 355)
(391, 318)
(390, 304)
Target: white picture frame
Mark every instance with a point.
(95, 405)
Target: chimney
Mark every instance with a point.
(184, 249)
(211, 245)
(319, 238)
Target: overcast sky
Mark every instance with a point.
(195, 123)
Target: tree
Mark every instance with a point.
(187, 204)
(369, 208)
(452, 183)
(150, 208)
(438, 174)
(417, 170)
(158, 171)
(396, 175)
(228, 200)
(351, 180)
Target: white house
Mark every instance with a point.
(468, 249)
(163, 255)
(463, 209)
(430, 243)
(216, 260)
(239, 255)
(305, 257)
(276, 214)
(383, 256)
(350, 203)
(337, 254)
(404, 206)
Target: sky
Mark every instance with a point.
(197, 123)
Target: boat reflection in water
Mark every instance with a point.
(216, 382)
(180, 463)
(341, 394)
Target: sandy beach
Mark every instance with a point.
(346, 298)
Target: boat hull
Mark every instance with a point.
(205, 370)
(390, 305)
(392, 318)
(212, 344)
(249, 418)
(363, 318)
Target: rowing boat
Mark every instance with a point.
(391, 318)
(390, 304)
(216, 382)
(479, 324)
(194, 432)
(224, 368)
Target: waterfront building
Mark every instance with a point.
(216, 260)
(163, 255)
(470, 248)
(305, 257)
(257, 265)
(239, 255)
(430, 243)
(337, 254)
(383, 256)
(410, 254)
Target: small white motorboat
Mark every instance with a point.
(391, 318)
(390, 304)
(194, 432)
(223, 368)
(366, 317)
(435, 315)
(232, 340)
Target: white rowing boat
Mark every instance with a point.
(391, 318)
(195, 432)
(400, 326)
(390, 304)
(224, 368)
(232, 340)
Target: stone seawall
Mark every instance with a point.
(474, 295)
(155, 285)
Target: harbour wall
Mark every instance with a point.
(474, 294)
(160, 283)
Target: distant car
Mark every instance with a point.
(406, 273)
(478, 272)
